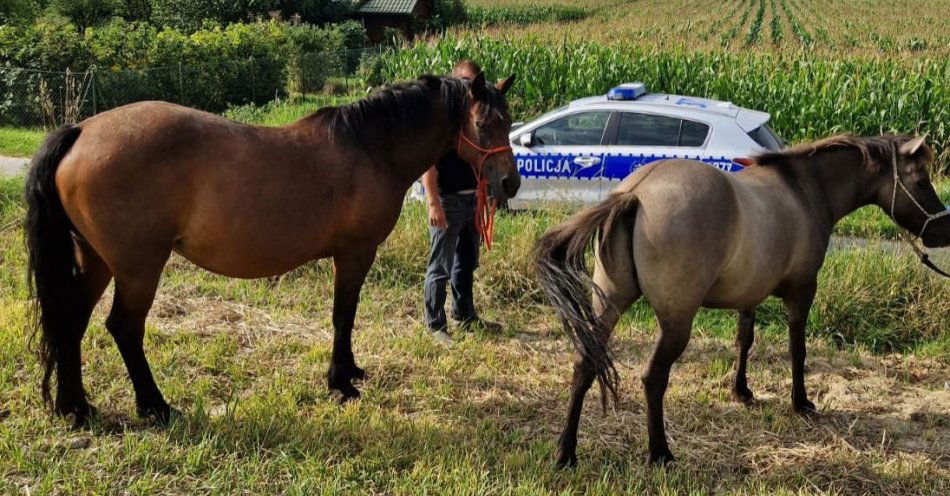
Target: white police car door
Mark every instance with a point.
(642, 138)
(565, 159)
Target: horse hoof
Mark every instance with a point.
(743, 395)
(339, 376)
(566, 460)
(662, 459)
(805, 407)
(356, 373)
(162, 414)
(349, 394)
(84, 420)
(81, 411)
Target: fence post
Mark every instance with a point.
(181, 85)
(92, 78)
(253, 82)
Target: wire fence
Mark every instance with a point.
(40, 98)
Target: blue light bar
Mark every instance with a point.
(628, 91)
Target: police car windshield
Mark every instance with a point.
(766, 138)
(549, 114)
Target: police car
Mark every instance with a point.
(581, 151)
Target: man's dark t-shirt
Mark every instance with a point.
(454, 174)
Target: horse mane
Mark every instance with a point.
(874, 150)
(403, 107)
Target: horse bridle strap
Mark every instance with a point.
(484, 209)
(924, 257)
(486, 152)
(898, 183)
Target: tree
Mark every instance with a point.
(314, 11)
(85, 13)
(135, 10)
(20, 11)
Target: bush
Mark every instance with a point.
(134, 10)
(191, 15)
(19, 11)
(210, 68)
(445, 13)
(85, 13)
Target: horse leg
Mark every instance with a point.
(744, 338)
(349, 273)
(94, 276)
(134, 294)
(674, 336)
(798, 303)
(584, 378)
(620, 287)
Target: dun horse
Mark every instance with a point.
(686, 235)
(115, 195)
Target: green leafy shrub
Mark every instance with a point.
(445, 13)
(85, 13)
(210, 68)
(19, 11)
(191, 15)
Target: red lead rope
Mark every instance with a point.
(484, 206)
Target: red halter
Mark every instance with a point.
(484, 212)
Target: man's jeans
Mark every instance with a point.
(453, 256)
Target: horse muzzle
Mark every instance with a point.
(937, 234)
(505, 187)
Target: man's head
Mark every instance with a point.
(466, 69)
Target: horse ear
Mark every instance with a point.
(479, 88)
(911, 148)
(431, 82)
(504, 86)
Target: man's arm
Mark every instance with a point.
(430, 181)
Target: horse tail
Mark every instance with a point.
(52, 270)
(562, 269)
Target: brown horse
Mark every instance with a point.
(687, 235)
(115, 195)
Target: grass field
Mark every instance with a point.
(19, 142)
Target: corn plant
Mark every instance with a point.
(755, 30)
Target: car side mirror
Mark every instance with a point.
(526, 140)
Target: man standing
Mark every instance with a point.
(454, 242)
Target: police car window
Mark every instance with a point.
(648, 130)
(548, 114)
(766, 138)
(693, 133)
(583, 129)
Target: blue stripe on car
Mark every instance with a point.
(612, 166)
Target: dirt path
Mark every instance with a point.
(10, 166)
(939, 256)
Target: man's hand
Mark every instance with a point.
(437, 216)
(430, 181)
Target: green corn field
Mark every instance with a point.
(908, 29)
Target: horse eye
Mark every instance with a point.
(479, 123)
